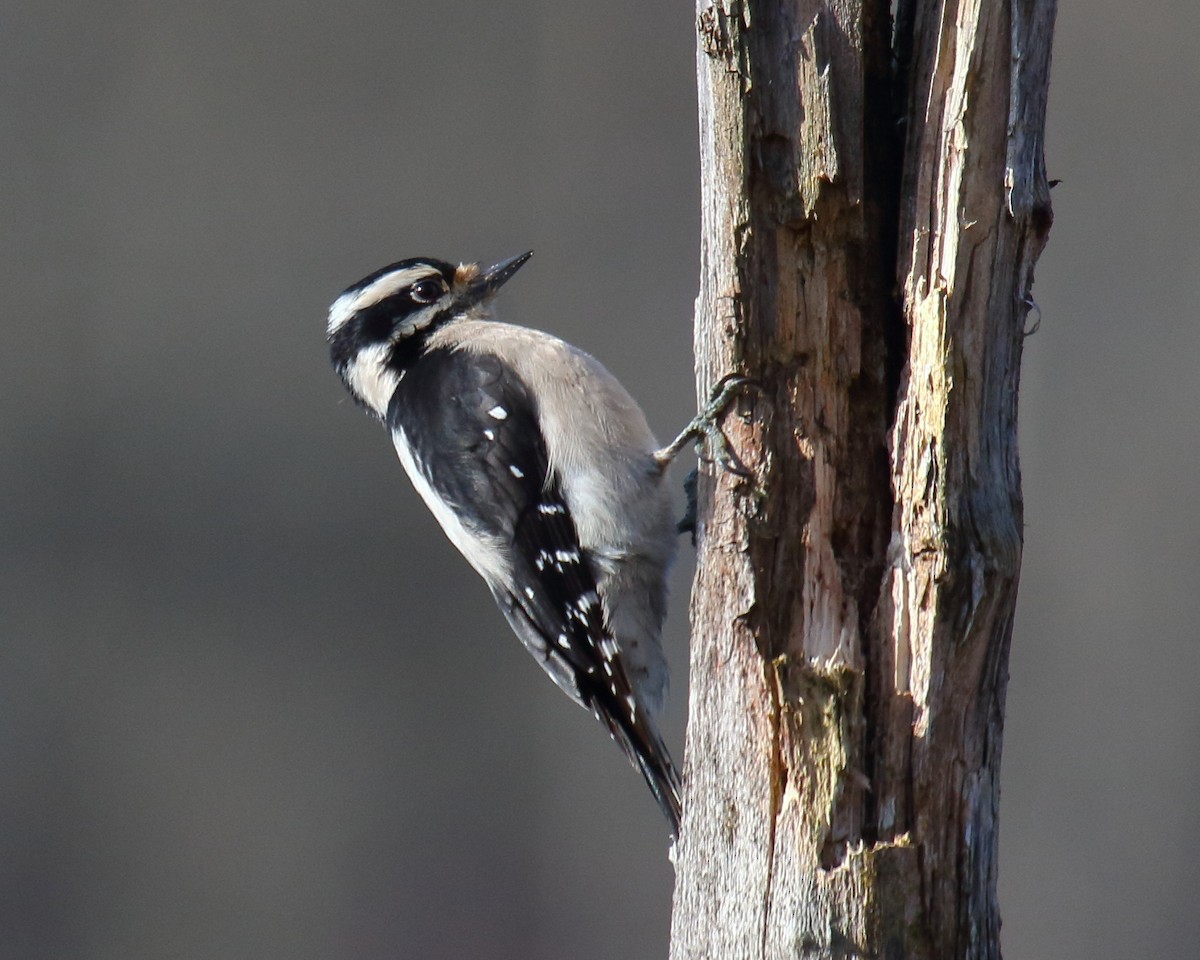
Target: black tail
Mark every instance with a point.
(635, 734)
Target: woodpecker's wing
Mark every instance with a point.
(468, 433)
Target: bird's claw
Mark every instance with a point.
(705, 429)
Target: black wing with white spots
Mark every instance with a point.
(473, 432)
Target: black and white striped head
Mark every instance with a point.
(377, 326)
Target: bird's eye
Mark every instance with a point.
(426, 291)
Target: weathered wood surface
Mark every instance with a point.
(872, 213)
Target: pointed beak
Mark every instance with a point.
(492, 279)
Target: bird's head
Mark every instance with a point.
(378, 324)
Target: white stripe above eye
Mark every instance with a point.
(351, 302)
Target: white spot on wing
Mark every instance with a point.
(515, 471)
(490, 434)
(498, 413)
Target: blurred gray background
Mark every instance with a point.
(252, 705)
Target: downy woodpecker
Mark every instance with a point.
(542, 471)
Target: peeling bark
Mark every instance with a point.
(874, 202)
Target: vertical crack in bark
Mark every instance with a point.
(824, 201)
(778, 777)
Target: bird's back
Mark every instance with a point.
(603, 461)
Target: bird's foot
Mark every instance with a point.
(705, 428)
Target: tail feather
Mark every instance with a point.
(648, 753)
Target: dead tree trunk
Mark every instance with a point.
(874, 204)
